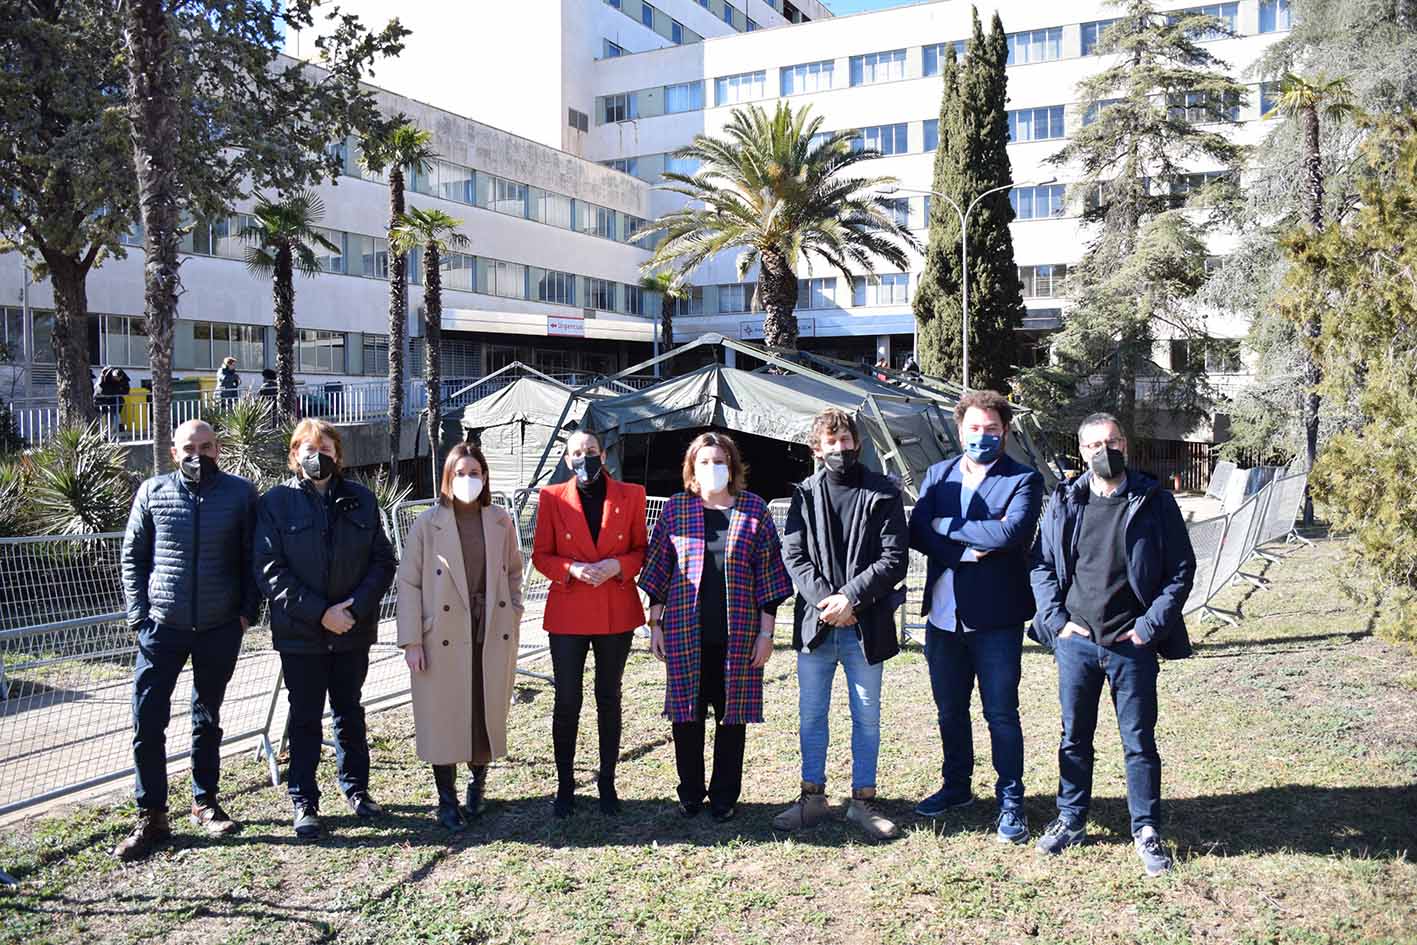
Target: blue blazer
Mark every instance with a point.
(1001, 519)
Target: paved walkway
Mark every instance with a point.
(57, 738)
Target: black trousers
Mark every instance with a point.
(309, 678)
(162, 653)
(568, 655)
(728, 741)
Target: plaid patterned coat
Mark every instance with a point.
(754, 578)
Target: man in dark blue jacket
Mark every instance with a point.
(190, 593)
(1112, 568)
(975, 521)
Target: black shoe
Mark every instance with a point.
(364, 806)
(610, 801)
(563, 806)
(690, 810)
(450, 818)
(723, 814)
(307, 822)
(476, 790)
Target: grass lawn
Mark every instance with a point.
(1291, 799)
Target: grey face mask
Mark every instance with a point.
(1108, 464)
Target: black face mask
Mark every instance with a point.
(195, 469)
(842, 462)
(587, 469)
(1108, 464)
(317, 466)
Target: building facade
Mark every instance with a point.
(577, 109)
(550, 276)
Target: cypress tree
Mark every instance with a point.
(971, 159)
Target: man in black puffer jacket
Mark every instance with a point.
(324, 562)
(189, 593)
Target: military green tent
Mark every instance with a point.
(514, 423)
(905, 428)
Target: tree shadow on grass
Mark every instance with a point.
(1377, 822)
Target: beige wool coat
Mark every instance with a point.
(433, 610)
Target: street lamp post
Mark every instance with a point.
(964, 259)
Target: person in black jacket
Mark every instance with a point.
(1112, 568)
(322, 559)
(189, 593)
(846, 548)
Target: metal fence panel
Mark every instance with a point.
(1284, 507)
(68, 725)
(1219, 479)
(1235, 549)
(1207, 539)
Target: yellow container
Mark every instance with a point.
(208, 384)
(134, 413)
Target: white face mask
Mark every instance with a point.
(466, 489)
(712, 478)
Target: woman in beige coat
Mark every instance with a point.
(459, 620)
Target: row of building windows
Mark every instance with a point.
(357, 254)
(734, 298)
(1042, 45)
(460, 184)
(677, 33)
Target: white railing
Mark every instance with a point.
(336, 400)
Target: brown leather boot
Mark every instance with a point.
(864, 814)
(150, 832)
(809, 810)
(210, 817)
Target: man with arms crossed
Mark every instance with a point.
(975, 522)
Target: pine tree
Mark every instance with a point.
(1141, 132)
(972, 159)
(1355, 279)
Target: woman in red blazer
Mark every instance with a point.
(590, 543)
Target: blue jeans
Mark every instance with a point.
(1131, 672)
(308, 679)
(162, 653)
(995, 657)
(816, 670)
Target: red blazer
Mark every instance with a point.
(563, 538)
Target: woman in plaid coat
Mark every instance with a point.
(715, 578)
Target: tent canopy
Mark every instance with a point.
(773, 407)
(514, 424)
(906, 424)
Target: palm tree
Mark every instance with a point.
(1308, 100)
(405, 146)
(436, 232)
(671, 288)
(284, 238)
(776, 195)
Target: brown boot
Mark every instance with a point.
(864, 814)
(809, 810)
(150, 831)
(210, 817)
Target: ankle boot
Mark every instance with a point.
(808, 810)
(449, 815)
(476, 788)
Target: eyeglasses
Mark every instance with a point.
(1114, 443)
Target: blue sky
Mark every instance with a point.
(843, 7)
